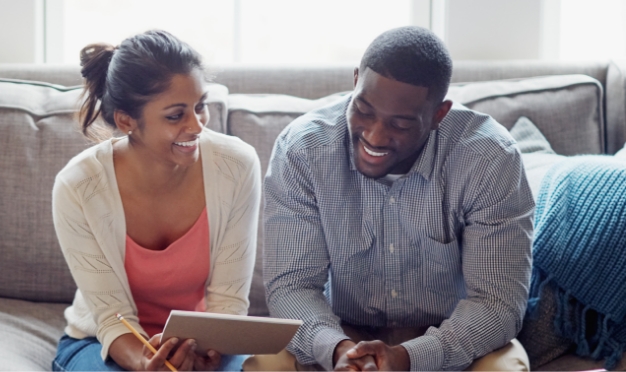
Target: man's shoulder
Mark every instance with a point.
(321, 127)
(475, 132)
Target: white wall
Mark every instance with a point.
(21, 33)
(472, 29)
(493, 29)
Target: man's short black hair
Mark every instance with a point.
(412, 55)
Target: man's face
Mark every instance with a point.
(389, 122)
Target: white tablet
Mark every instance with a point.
(231, 334)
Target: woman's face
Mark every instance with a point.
(172, 121)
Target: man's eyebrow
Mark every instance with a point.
(183, 105)
(404, 117)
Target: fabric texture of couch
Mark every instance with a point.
(578, 107)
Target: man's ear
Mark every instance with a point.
(356, 76)
(440, 113)
(124, 121)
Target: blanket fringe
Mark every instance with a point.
(596, 340)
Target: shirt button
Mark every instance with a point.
(392, 200)
(391, 248)
(394, 294)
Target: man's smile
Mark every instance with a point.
(370, 151)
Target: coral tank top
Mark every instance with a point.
(172, 279)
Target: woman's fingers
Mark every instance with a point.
(157, 361)
(183, 357)
(214, 360)
(208, 362)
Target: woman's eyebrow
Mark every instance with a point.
(183, 105)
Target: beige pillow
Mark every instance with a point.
(567, 109)
(537, 154)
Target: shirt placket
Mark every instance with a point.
(392, 251)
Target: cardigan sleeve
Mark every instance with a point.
(83, 239)
(234, 258)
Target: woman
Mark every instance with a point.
(162, 218)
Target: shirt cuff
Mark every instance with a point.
(425, 352)
(324, 345)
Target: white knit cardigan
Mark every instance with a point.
(90, 225)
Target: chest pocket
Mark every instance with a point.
(442, 266)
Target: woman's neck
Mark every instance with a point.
(149, 175)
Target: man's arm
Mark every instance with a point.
(496, 259)
(296, 259)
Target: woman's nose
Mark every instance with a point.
(198, 122)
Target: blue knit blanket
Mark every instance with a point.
(580, 244)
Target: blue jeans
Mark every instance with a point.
(84, 355)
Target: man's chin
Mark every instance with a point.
(371, 172)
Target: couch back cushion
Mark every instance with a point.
(40, 135)
(258, 119)
(567, 109)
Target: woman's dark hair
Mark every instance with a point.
(126, 77)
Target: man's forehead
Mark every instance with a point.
(374, 89)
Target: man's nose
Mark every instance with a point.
(376, 134)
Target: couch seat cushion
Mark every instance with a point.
(30, 333)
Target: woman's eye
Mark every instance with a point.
(201, 106)
(174, 117)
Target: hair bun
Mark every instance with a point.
(95, 60)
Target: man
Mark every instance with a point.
(398, 220)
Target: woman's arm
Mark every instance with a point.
(233, 260)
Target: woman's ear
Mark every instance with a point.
(125, 123)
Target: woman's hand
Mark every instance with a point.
(209, 362)
(132, 354)
(181, 354)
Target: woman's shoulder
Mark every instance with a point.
(88, 164)
(228, 147)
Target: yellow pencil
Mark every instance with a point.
(142, 339)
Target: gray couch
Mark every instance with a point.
(579, 107)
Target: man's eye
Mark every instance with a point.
(402, 124)
(367, 114)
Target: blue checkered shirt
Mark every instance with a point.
(447, 246)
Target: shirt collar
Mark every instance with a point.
(425, 162)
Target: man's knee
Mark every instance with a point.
(511, 357)
(283, 361)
